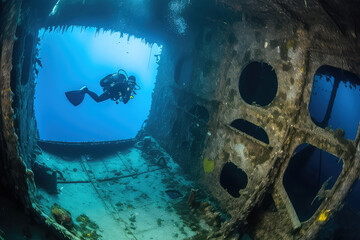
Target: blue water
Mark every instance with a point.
(308, 170)
(346, 110)
(77, 58)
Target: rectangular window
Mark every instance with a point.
(77, 58)
(335, 100)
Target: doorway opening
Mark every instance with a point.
(77, 58)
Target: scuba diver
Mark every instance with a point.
(116, 86)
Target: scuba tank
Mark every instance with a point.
(112, 79)
(109, 81)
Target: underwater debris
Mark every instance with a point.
(159, 221)
(132, 218)
(191, 215)
(150, 151)
(88, 229)
(60, 175)
(85, 220)
(162, 161)
(211, 217)
(144, 196)
(61, 216)
(130, 206)
(120, 206)
(145, 143)
(174, 194)
(45, 177)
(192, 198)
(209, 214)
(132, 226)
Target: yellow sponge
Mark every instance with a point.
(208, 165)
(324, 215)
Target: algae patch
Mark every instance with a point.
(208, 165)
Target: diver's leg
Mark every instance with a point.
(101, 98)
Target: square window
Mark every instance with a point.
(335, 100)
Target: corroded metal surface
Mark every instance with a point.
(294, 37)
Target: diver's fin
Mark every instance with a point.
(75, 97)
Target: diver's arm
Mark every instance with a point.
(101, 98)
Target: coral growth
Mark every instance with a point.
(62, 216)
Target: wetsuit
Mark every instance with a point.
(115, 87)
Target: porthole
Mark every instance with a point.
(258, 84)
(233, 179)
